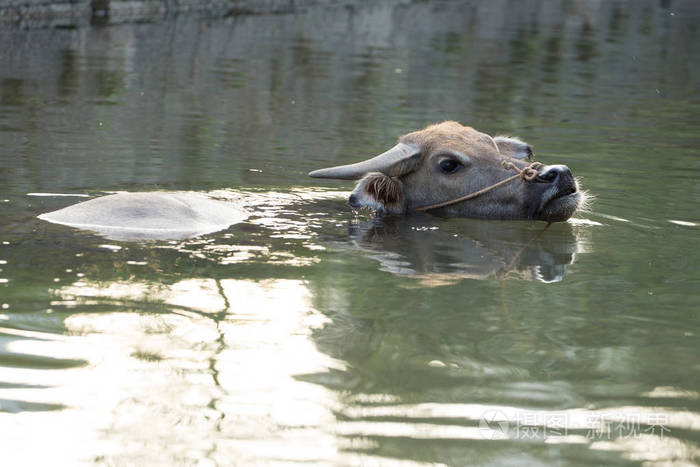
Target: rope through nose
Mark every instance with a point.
(527, 174)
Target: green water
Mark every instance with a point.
(310, 333)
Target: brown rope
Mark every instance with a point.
(527, 174)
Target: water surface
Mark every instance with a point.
(310, 333)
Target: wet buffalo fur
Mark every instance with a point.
(379, 192)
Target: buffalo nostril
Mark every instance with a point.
(552, 172)
(564, 171)
(548, 176)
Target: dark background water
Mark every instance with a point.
(310, 333)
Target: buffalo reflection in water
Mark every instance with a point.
(445, 251)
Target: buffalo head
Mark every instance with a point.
(447, 161)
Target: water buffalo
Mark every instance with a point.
(436, 168)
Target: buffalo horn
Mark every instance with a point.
(398, 160)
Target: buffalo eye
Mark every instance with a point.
(450, 166)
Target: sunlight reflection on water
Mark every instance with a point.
(208, 384)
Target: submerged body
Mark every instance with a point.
(150, 216)
(437, 168)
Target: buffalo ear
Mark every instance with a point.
(513, 147)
